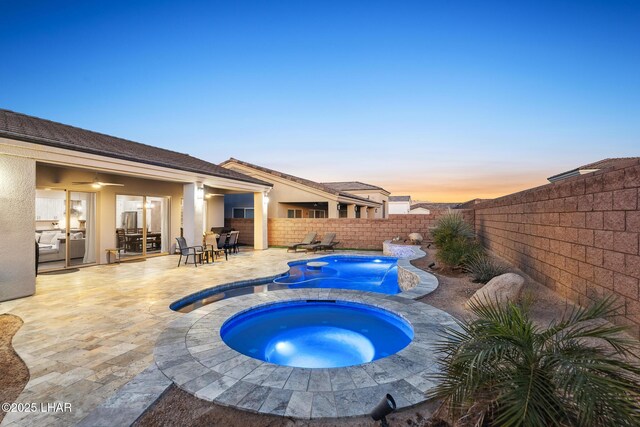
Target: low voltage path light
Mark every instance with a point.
(386, 406)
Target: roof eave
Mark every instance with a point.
(67, 146)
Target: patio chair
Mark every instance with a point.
(326, 243)
(308, 240)
(121, 240)
(196, 251)
(211, 244)
(222, 239)
(232, 243)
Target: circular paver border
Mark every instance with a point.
(192, 354)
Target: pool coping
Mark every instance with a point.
(191, 353)
(426, 282)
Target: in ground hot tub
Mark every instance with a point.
(317, 334)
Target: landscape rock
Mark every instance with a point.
(416, 238)
(500, 289)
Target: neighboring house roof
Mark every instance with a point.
(303, 181)
(353, 186)
(591, 167)
(45, 132)
(400, 198)
(471, 203)
(435, 206)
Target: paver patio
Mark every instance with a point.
(87, 333)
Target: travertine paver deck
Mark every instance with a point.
(88, 333)
(192, 354)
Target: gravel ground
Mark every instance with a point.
(14, 374)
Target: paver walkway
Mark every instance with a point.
(87, 333)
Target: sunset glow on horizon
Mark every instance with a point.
(442, 101)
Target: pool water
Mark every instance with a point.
(363, 273)
(357, 272)
(317, 334)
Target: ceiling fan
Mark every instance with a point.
(96, 183)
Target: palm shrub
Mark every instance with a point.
(455, 240)
(484, 268)
(512, 373)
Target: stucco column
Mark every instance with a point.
(17, 226)
(371, 213)
(215, 212)
(260, 208)
(333, 209)
(192, 220)
(351, 211)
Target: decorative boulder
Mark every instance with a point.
(500, 289)
(416, 238)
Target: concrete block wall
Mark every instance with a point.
(579, 237)
(355, 233)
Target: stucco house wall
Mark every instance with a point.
(399, 208)
(17, 227)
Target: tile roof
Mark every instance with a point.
(470, 203)
(45, 132)
(399, 198)
(600, 164)
(352, 186)
(303, 181)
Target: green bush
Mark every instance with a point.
(455, 240)
(483, 268)
(458, 252)
(503, 370)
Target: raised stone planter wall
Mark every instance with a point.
(413, 282)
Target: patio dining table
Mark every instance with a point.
(134, 240)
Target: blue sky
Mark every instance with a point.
(445, 101)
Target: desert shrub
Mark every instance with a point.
(506, 371)
(458, 252)
(484, 268)
(449, 227)
(455, 240)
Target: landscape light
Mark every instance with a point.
(386, 406)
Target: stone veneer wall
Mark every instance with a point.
(352, 233)
(579, 237)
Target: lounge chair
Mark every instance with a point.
(326, 243)
(211, 245)
(308, 240)
(196, 251)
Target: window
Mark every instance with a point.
(294, 213)
(317, 214)
(242, 212)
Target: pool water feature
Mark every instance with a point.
(317, 334)
(362, 273)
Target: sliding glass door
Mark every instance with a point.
(65, 229)
(157, 225)
(142, 225)
(81, 238)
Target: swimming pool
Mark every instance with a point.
(362, 273)
(317, 334)
(357, 272)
